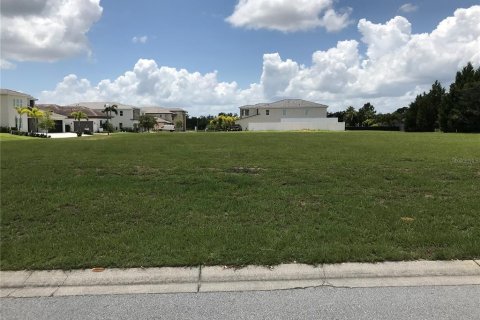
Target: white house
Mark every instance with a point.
(288, 114)
(128, 116)
(9, 100)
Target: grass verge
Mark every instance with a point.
(238, 198)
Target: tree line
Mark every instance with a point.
(217, 123)
(367, 116)
(457, 110)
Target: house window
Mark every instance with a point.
(121, 113)
(267, 112)
(284, 112)
(247, 112)
(258, 112)
(120, 125)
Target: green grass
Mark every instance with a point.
(238, 198)
(11, 137)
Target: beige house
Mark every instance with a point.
(167, 116)
(289, 114)
(9, 100)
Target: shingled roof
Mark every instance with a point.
(67, 110)
(287, 103)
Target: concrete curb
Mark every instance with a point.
(217, 278)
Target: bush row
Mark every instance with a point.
(375, 128)
(30, 134)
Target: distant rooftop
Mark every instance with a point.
(100, 105)
(156, 109)
(287, 103)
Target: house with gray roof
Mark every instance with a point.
(288, 114)
(127, 115)
(64, 121)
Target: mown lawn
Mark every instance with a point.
(11, 137)
(238, 198)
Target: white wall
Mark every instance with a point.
(8, 112)
(288, 124)
(276, 114)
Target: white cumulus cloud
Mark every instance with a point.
(408, 7)
(397, 63)
(289, 15)
(150, 84)
(396, 66)
(46, 30)
(140, 39)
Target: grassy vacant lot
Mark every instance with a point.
(238, 198)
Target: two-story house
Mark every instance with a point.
(288, 114)
(9, 117)
(172, 116)
(127, 115)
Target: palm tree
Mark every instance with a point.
(79, 115)
(18, 120)
(35, 113)
(108, 111)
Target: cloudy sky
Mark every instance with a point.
(215, 55)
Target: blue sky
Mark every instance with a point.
(190, 54)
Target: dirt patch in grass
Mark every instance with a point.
(245, 170)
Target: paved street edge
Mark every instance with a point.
(222, 278)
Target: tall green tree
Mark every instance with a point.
(46, 122)
(460, 110)
(108, 110)
(147, 122)
(366, 115)
(351, 117)
(411, 115)
(428, 107)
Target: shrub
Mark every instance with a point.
(108, 127)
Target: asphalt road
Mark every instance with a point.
(446, 302)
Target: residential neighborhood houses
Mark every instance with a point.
(288, 114)
(126, 117)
